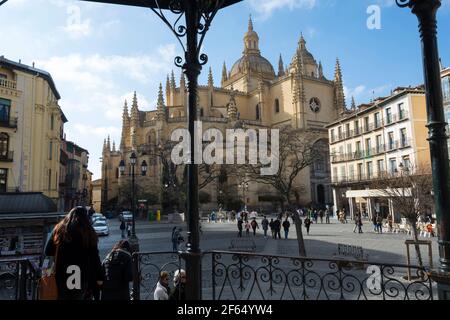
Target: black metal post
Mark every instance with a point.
(134, 242)
(426, 11)
(191, 69)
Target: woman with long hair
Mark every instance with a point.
(118, 271)
(74, 244)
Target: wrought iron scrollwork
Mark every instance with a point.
(206, 13)
(404, 3)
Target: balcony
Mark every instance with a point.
(8, 123)
(7, 156)
(8, 84)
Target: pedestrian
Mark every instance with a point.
(247, 228)
(360, 224)
(254, 226)
(321, 215)
(118, 271)
(122, 229)
(272, 228)
(286, 226)
(239, 225)
(162, 290)
(265, 226)
(345, 215)
(307, 224)
(177, 238)
(129, 229)
(380, 224)
(374, 222)
(390, 222)
(73, 242)
(356, 222)
(179, 282)
(327, 216)
(277, 227)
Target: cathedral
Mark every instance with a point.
(251, 95)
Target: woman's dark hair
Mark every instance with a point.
(76, 226)
(122, 244)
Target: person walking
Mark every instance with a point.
(122, 229)
(321, 215)
(265, 226)
(177, 238)
(277, 227)
(247, 228)
(374, 222)
(272, 228)
(73, 242)
(118, 271)
(360, 224)
(254, 226)
(327, 216)
(162, 290)
(307, 223)
(356, 222)
(239, 225)
(379, 224)
(179, 281)
(286, 225)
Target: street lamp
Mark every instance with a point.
(134, 241)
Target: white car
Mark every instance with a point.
(101, 227)
(127, 216)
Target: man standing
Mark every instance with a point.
(321, 215)
(239, 225)
(327, 216)
(254, 225)
(265, 226)
(277, 227)
(307, 224)
(286, 226)
(272, 228)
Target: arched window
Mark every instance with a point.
(277, 106)
(258, 116)
(4, 144)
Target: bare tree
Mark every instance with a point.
(297, 151)
(410, 193)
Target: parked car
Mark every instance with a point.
(127, 216)
(101, 227)
(102, 219)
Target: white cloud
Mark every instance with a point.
(266, 7)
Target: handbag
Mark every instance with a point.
(47, 283)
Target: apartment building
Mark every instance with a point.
(31, 130)
(373, 141)
(445, 75)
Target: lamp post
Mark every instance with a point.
(134, 241)
(426, 11)
(244, 186)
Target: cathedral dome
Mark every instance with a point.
(253, 63)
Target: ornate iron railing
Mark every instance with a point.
(247, 276)
(18, 279)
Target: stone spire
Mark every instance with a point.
(125, 126)
(167, 85)
(320, 70)
(250, 23)
(108, 143)
(339, 97)
(160, 107)
(353, 107)
(182, 81)
(251, 39)
(231, 106)
(210, 78)
(224, 73)
(172, 80)
(134, 112)
(302, 42)
(104, 146)
(114, 146)
(280, 67)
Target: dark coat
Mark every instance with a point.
(286, 225)
(239, 224)
(265, 224)
(87, 259)
(178, 293)
(277, 225)
(118, 271)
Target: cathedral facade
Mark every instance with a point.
(252, 95)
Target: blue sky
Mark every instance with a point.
(99, 54)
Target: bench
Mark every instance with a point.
(355, 252)
(242, 244)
